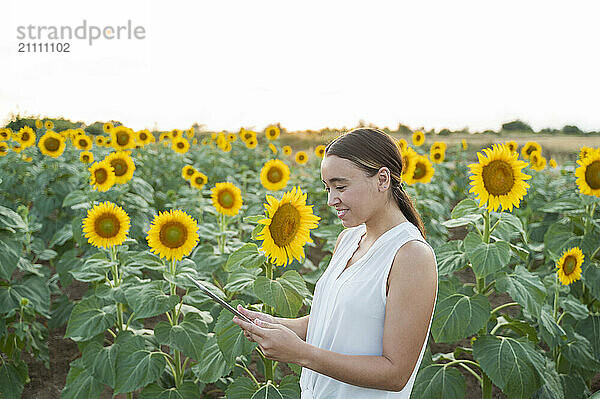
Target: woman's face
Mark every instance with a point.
(353, 194)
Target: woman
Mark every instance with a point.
(372, 308)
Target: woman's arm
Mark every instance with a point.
(409, 306)
(299, 325)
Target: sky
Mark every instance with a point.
(308, 65)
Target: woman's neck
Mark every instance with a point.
(381, 222)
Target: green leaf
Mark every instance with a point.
(76, 199)
(281, 293)
(450, 257)
(509, 223)
(246, 256)
(11, 220)
(34, 288)
(12, 378)
(573, 307)
(552, 387)
(590, 327)
(101, 361)
(520, 327)
(590, 275)
(267, 392)
(438, 381)
(61, 236)
(241, 388)
(188, 336)
(89, 318)
(230, 337)
(9, 255)
(466, 207)
(148, 299)
(80, 383)
(486, 258)
(253, 219)
(136, 366)
(462, 221)
(524, 287)
(459, 316)
(188, 390)
(563, 206)
(145, 260)
(95, 268)
(241, 279)
(142, 188)
(580, 353)
(212, 364)
(289, 387)
(550, 331)
(510, 363)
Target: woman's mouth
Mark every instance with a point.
(341, 213)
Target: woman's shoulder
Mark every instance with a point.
(347, 232)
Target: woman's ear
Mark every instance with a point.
(383, 179)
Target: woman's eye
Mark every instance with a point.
(340, 188)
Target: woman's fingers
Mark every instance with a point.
(251, 327)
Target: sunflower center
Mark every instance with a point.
(3, 149)
(100, 175)
(592, 175)
(437, 155)
(247, 136)
(301, 157)
(498, 177)
(199, 180)
(86, 158)
(122, 138)
(226, 199)
(285, 224)
(120, 166)
(173, 234)
(180, 145)
(530, 149)
(52, 144)
(569, 264)
(143, 136)
(190, 172)
(274, 175)
(83, 143)
(25, 136)
(420, 171)
(107, 226)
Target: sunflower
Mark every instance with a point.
(187, 172)
(39, 124)
(287, 150)
(17, 148)
(3, 149)
(144, 137)
(552, 163)
(273, 148)
(180, 145)
(227, 198)
(409, 157)
(175, 133)
(173, 234)
(26, 136)
(512, 145)
(464, 144)
(106, 225)
(588, 174)
(49, 125)
(198, 180)
(221, 140)
(301, 157)
(52, 144)
(78, 132)
(401, 144)
(122, 164)
(27, 159)
(272, 132)
(418, 138)
(83, 142)
(231, 137)
(226, 147)
(421, 170)
(251, 142)
(438, 145)
(437, 156)
(274, 175)
(86, 157)
(102, 176)
(320, 151)
(100, 141)
(497, 179)
(584, 151)
(108, 127)
(287, 227)
(247, 135)
(537, 161)
(164, 136)
(5, 134)
(190, 133)
(569, 266)
(529, 147)
(122, 138)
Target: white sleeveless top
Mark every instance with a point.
(348, 314)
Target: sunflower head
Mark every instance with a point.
(569, 266)
(512, 145)
(26, 136)
(173, 234)
(106, 225)
(552, 163)
(231, 137)
(226, 147)
(144, 137)
(301, 157)
(402, 144)
(86, 157)
(187, 172)
(52, 144)
(287, 150)
(176, 133)
(190, 133)
(248, 135)
(272, 132)
(274, 175)
(39, 124)
(497, 178)
(464, 144)
(180, 145)
(227, 198)
(102, 175)
(49, 125)
(438, 145)
(437, 156)
(421, 170)
(100, 141)
(418, 138)
(122, 138)
(537, 161)
(83, 142)
(588, 174)
(530, 147)
(251, 142)
(287, 227)
(108, 127)
(320, 151)
(272, 148)
(3, 148)
(198, 180)
(5, 134)
(122, 164)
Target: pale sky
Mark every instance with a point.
(311, 64)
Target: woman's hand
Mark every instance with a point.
(276, 341)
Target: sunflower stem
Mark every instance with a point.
(486, 387)
(221, 238)
(486, 226)
(268, 363)
(116, 283)
(555, 313)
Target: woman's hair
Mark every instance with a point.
(371, 149)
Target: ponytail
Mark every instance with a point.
(407, 207)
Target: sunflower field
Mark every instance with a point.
(129, 215)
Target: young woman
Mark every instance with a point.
(372, 308)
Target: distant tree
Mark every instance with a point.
(403, 129)
(517, 126)
(549, 131)
(571, 129)
(444, 132)
(489, 131)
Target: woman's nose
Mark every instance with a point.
(332, 198)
